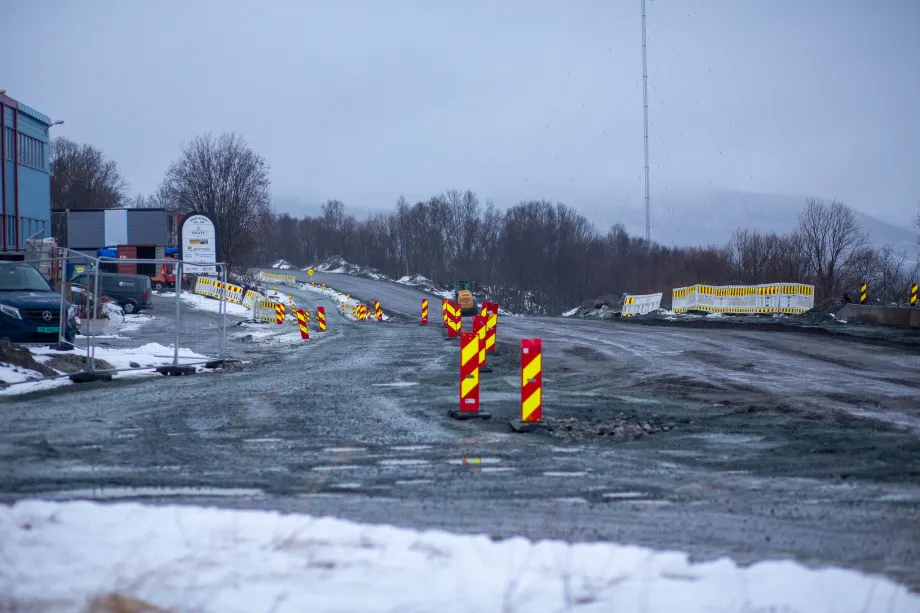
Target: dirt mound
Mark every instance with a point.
(69, 363)
(20, 357)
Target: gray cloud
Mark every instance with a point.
(362, 101)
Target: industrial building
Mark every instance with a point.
(121, 233)
(25, 177)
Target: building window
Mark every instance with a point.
(31, 152)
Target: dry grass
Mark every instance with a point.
(119, 603)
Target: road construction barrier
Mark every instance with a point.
(306, 314)
(378, 312)
(424, 311)
(324, 287)
(251, 298)
(491, 325)
(267, 276)
(640, 305)
(792, 298)
(531, 386)
(321, 318)
(479, 328)
(233, 293)
(454, 319)
(913, 295)
(279, 313)
(265, 311)
(302, 322)
(469, 379)
(205, 286)
(863, 293)
(444, 311)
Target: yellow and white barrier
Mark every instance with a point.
(265, 311)
(251, 298)
(744, 299)
(640, 305)
(267, 276)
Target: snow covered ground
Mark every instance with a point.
(141, 360)
(339, 265)
(338, 298)
(60, 555)
(204, 303)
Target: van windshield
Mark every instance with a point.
(22, 278)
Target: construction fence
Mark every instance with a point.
(789, 298)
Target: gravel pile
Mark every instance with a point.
(620, 426)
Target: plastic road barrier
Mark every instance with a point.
(640, 305)
(913, 295)
(306, 314)
(265, 311)
(744, 299)
(479, 329)
(469, 379)
(483, 312)
(863, 294)
(444, 311)
(279, 313)
(302, 322)
(531, 386)
(321, 318)
(378, 312)
(452, 329)
(424, 312)
(250, 299)
(491, 325)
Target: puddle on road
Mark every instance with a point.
(623, 495)
(110, 493)
(397, 384)
(346, 486)
(563, 473)
(637, 400)
(474, 461)
(719, 438)
(403, 462)
(571, 500)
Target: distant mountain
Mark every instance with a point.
(710, 216)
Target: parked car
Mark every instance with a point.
(30, 309)
(131, 292)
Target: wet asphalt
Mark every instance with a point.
(763, 444)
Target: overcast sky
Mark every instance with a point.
(364, 101)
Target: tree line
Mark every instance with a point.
(539, 256)
(536, 256)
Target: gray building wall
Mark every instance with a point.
(86, 229)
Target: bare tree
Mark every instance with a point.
(228, 181)
(83, 178)
(830, 235)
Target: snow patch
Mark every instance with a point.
(212, 305)
(204, 559)
(571, 312)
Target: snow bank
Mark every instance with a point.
(145, 358)
(204, 303)
(338, 265)
(182, 558)
(338, 298)
(282, 265)
(571, 312)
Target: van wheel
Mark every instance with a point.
(129, 307)
(158, 286)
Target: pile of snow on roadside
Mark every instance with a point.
(282, 265)
(205, 303)
(338, 265)
(183, 558)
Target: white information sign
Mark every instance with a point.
(199, 245)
